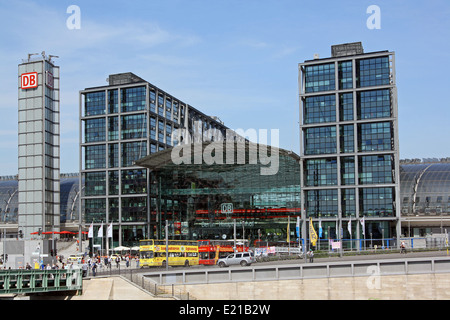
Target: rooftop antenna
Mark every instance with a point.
(50, 56)
(31, 54)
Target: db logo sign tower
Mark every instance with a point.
(39, 146)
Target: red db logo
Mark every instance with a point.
(29, 80)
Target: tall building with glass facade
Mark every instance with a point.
(120, 123)
(349, 143)
(39, 146)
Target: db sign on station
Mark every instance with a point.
(29, 80)
(227, 208)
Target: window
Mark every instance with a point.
(134, 209)
(113, 155)
(321, 172)
(113, 177)
(375, 136)
(134, 126)
(132, 151)
(95, 157)
(348, 201)
(347, 171)
(323, 203)
(376, 202)
(347, 138)
(133, 99)
(95, 183)
(320, 109)
(346, 106)
(320, 140)
(113, 128)
(134, 181)
(94, 130)
(95, 210)
(94, 103)
(375, 169)
(374, 104)
(319, 78)
(345, 75)
(152, 101)
(372, 72)
(113, 101)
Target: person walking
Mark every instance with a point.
(403, 247)
(311, 256)
(84, 267)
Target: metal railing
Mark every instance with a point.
(303, 271)
(21, 281)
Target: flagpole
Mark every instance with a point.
(107, 241)
(350, 231)
(289, 235)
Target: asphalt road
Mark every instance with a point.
(380, 256)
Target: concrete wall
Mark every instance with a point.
(398, 287)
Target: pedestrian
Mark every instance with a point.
(84, 267)
(311, 255)
(127, 263)
(94, 269)
(403, 247)
(117, 262)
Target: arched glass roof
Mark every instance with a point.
(425, 188)
(9, 206)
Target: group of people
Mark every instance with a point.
(96, 262)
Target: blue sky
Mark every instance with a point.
(236, 59)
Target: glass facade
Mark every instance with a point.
(320, 109)
(121, 123)
(320, 77)
(203, 201)
(373, 72)
(349, 139)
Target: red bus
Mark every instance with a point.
(210, 251)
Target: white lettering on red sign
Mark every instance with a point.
(29, 80)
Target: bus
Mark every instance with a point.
(212, 250)
(152, 253)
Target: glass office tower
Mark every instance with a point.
(120, 123)
(39, 181)
(349, 144)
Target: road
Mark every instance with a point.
(416, 254)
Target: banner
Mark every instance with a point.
(100, 231)
(288, 231)
(91, 231)
(363, 227)
(109, 231)
(320, 229)
(349, 227)
(297, 227)
(312, 233)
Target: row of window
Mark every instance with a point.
(369, 72)
(133, 99)
(376, 202)
(95, 156)
(371, 104)
(376, 136)
(131, 127)
(133, 181)
(133, 209)
(376, 169)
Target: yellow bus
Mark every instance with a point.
(181, 253)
